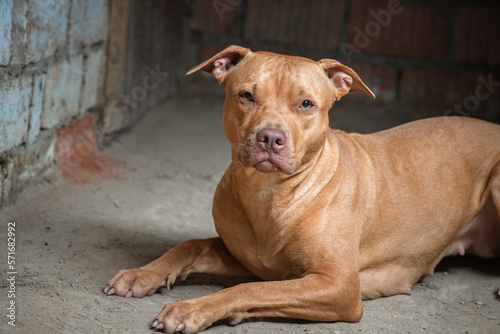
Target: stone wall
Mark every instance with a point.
(52, 60)
(63, 60)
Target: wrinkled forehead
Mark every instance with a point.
(267, 70)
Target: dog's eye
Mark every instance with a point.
(247, 96)
(306, 105)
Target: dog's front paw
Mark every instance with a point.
(187, 316)
(497, 292)
(135, 283)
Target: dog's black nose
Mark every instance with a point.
(270, 139)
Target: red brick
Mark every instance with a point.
(380, 79)
(298, 22)
(429, 88)
(492, 103)
(212, 17)
(441, 90)
(418, 30)
(477, 35)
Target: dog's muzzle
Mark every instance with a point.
(268, 151)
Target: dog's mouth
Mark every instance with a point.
(267, 166)
(267, 162)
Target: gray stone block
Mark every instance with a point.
(19, 28)
(36, 108)
(15, 96)
(5, 31)
(88, 22)
(93, 80)
(62, 91)
(47, 29)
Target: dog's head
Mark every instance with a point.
(276, 109)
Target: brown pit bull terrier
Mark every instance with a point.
(341, 216)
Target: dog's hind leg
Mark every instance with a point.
(482, 236)
(495, 196)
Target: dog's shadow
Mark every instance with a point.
(470, 263)
(489, 267)
(127, 249)
(150, 246)
(138, 250)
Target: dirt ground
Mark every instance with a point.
(71, 238)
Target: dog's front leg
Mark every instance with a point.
(314, 297)
(207, 256)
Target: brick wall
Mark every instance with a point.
(65, 60)
(429, 57)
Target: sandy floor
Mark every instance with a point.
(72, 238)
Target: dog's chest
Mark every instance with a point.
(254, 219)
(262, 256)
(258, 247)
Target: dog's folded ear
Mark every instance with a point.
(345, 80)
(222, 62)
